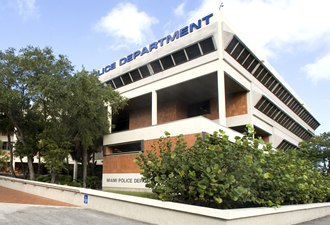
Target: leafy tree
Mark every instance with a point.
(3, 157)
(6, 126)
(89, 117)
(217, 173)
(25, 79)
(317, 149)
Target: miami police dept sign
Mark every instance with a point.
(160, 43)
(125, 180)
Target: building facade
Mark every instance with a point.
(199, 79)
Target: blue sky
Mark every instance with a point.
(293, 35)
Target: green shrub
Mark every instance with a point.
(217, 173)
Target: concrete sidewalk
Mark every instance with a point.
(55, 215)
(8, 195)
(18, 207)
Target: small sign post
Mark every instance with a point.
(86, 199)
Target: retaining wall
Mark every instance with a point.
(158, 212)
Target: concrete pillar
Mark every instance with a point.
(154, 108)
(221, 97)
(75, 170)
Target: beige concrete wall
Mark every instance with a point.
(168, 213)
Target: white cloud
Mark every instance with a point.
(274, 24)
(179, 11)
(27, 8)
(318, 70)
(127, 24)
(117, 47)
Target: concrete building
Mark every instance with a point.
(201, 78)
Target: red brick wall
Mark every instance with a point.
(140, 118)
(171, 111)
(120, 164)
(236, 104)
(124, 163)
(214, 111)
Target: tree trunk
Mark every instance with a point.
(39, 169)
(11, 155)
(67, 165)
(53, 177)
(85, 162)
(93, 166)
(23, 168)
(31, 169)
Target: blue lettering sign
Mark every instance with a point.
(98, 72)
(184, 31)
(144, 50)
(153, 46)
(175, 36)
(207, 18)
(137, 53)
(129, 57)
(161, 41)
(122, 61)
(193, 25)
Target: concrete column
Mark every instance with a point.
(75, 170)
(221, 97)
(153, 107)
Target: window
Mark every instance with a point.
(5, 145)
(156, 67)
(128, 148)
(198, 109)
(193, 51)
(179, 57)
(135, 74)
(167, 62)
(126, 78)
(144, 71)
(207, 46)
(118, 82)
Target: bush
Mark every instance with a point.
(217, 173)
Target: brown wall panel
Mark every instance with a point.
(124, 163)
(236, 104)
(171, 111)
(120, 164)
(214, 110)
(140, 118)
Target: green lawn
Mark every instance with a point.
(137, 194)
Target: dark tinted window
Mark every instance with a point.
(207, 46)
(199, 109)
(179, 57)
(156, 67)
(193, 51)
(135, 75)
(167, 62)
(126, 79)
(118, 82)
(144, 71)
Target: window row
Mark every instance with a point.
(285, 145)
(5, 145)
(184, 55)
(275, 113)
(244, 57)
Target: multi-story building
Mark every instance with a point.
(201, 78)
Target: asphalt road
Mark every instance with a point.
(36, 214)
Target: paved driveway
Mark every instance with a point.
(17, 207)
(36, 214)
